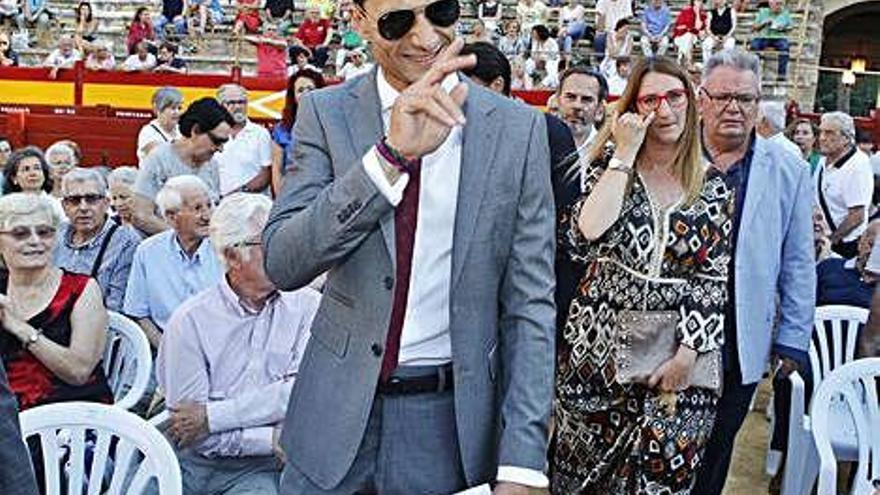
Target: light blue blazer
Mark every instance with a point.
(775, 261)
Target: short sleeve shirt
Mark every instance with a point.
(846, 186)
(164, 163)
(243, 157)
(313, 33)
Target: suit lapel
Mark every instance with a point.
(759, 182)
(364, 122)
(478, 148)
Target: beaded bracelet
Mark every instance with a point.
(394, 157)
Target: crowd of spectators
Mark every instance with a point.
(542, 38)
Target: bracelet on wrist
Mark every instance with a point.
(33, 338)
(394, 157)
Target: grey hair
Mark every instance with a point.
(736, 58)
(21, 204)
(165, 97)
(170, 197)
(774, 113)
(239, 217)
(230, 86)
(844, 121)
(123, 175)
(61, 147)
(81, 175)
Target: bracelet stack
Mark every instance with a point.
(394, 157)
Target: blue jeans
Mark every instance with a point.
(778, 44)
(574, 32)
(162, 21)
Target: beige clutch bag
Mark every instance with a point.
(646, 339)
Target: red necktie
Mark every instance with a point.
(405, 218)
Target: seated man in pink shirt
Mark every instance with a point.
(228, 361)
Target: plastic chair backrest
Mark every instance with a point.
(127, 360)
(136, 451)
(835, 334)
(856, 384)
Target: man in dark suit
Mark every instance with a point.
(16, 472)
(427, 200)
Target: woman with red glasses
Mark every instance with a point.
(638, 361)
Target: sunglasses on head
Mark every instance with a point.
(395, 24)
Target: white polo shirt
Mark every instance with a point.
(846, 186)
(243, 157)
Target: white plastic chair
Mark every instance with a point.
(127, 361)
(833, 344)
(141, 452)
(853, 386)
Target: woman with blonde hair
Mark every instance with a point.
(638, 361)
(53, 323)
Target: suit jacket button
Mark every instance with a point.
(377, 349)
(389, 283)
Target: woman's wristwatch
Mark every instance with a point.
(618, 165)
(34, 337)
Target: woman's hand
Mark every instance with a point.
(675, 374)
(628, 131)
(11, 321)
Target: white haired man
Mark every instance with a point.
(245, 163)
(90, 242)
(846, 183)
(229, 358)
(771, 125)
(175, 264)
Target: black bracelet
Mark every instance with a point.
(394, 157)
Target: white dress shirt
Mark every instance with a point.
(425, 337)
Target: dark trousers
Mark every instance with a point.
(732, 410)
(778, 44)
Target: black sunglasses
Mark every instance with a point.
(395, 24)
(217, 140)
(77, 199)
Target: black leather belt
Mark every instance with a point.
(439, 381)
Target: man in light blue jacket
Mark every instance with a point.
(773, 272)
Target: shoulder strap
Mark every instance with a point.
(825, 210)
(160, 132)
(104, 244)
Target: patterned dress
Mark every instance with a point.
(620, 439)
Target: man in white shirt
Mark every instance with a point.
(63, 57)
(245, 162)
(846, 184)
(427, 200)
(141, 60)
(771, 125)
(608, 13)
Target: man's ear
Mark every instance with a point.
(497, 85)
(233, 257)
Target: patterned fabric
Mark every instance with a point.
(621, 439)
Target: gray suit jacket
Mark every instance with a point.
(330, 216)
(16, 474)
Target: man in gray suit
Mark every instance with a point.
(16, 474)
(427, 199)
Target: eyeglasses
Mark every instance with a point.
(395, 24)
(217, 140)
(251, 243)
(676, 98)
(77, 199)
(20, 234)
(235, 102)
(744, 100)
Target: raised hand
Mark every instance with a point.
(628, 131)
(424, 113)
